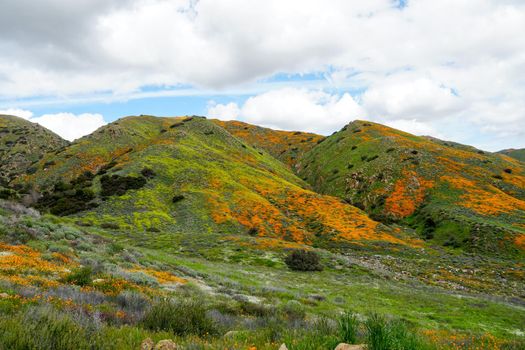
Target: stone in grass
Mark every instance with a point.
(283, 347)
(231, 334)
(344, 346)
(147, 344)
(166, 344)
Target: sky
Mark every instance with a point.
(452, 69)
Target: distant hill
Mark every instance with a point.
(287, 146)
(518, 154)
(452, 194)
(22, 144)
(190, 175)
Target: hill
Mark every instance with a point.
(287, 146)
(518, 154)
(454, 195)
(175, 228)
(22, 144)
(190, 176)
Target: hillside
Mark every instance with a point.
(454, 195)
(518, 154)
(189, 176)
(287, 146)
(22, 144)
(175, 228)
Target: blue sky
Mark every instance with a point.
(453, 69)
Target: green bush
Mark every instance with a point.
(43, 328)
(148, 173)
(80, 277)
(303, 260)
(186, 317)
(119, 185)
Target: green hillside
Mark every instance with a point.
(190, 176)
(287, 146)
(454, 195)
(179, 228)
(22, 144)
(518, 154)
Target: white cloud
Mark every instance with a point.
(67, 125)
(293, 109)
(17, 112)
(405, 98)
(459, 60)
(414, 126)
(229, 111)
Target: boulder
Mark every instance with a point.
(231, 334)
(283, 347)
(166, 344)
(344, 346)
(147, 344)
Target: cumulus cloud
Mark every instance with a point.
(67, 125)
(17, 112)
(459, 60)
(293, 109)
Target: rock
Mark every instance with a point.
(283, 347)
(344, 346)
(4, 295)
(147, 344)
(166, 344)
(230, 334)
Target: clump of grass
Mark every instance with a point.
(348, 327)
(188, 317)
(383, 334)
(378, 333)
(80, 277)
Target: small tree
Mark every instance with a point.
(303, 260)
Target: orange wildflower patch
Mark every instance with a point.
(409, 192)
(276, 142)
(284, 211)
(23, 265)
(520, 241)
(485, 201)
(163, 277)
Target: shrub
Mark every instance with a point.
(303, 260)
(110, 226)
(148, 173)
(348, 327)
(43, 328)
(80, 277)
(119, 185)
(179, 317)
(106, 167)
(177, 198)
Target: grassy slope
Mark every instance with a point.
(434, 288)
(32, 272)
(287, 146)
(229, 187)
(455, 194)
(23, 143)
(518, 154)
